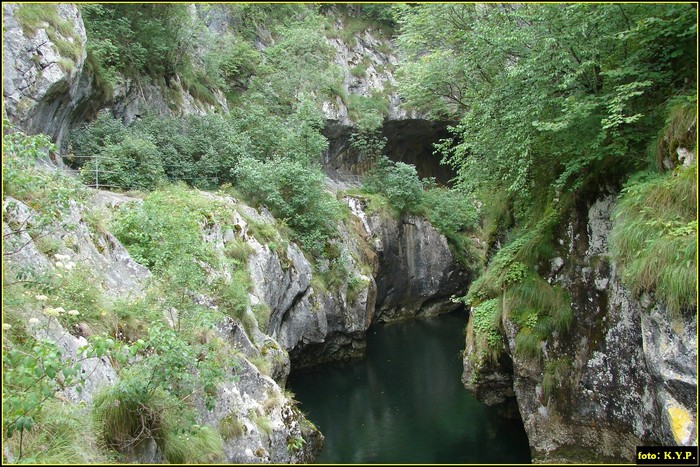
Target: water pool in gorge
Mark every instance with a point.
(405, 403)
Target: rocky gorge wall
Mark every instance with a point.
(397, 269)
(624, 375)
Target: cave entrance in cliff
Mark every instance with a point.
(410, 141)
(404, 402)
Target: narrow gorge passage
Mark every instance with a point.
(404, 402)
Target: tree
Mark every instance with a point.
(547, 94)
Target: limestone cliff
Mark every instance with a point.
(46, 88)
(624, 375)
(244, 394)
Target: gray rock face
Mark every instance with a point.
(133, 98)
(417, 273)
(45, 88)
(378, 76)
(395, 269)
(631, 377)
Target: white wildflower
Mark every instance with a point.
(59, 264)
(41, 298)
(6, 327)
(60, 310)
(33, 321)
(73, 312)
(70, 265)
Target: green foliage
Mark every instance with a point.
(528, 343)
(295, 443)
(450, 211)
(133, 163)
(486, 322)
(539, 309)
(48, 192)
(191, 445)
(173, 215)
(397, 181)
(294, 193)
(679, 130)
(126, 413)
(145, 401)
(262, 315)
(555, 77)
(238, 62)
(654, 236)
(32, 373)
(232, 297)
(359, 71)
(363, 108)
(298, 63)
(133, 39)
(238, 250)
(356, 284)
(60, 436)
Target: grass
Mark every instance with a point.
(128, 413)
(528, 343)
(654, 237)
(192, 445)
(360, 105)
(48, 245)
(263, 365)
(125, 417)
(197, 84)
(232, 297)
(261, 421)
(231, 427)
(359, 71)
(60, 436)
(238, 250)
(533, 292)
(356, 284)
(555, 373)
(262, 314)
(33, 17)
(678, 132)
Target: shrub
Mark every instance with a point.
(399, 182)
(294, 192)
(130, 412)
(133, 163)
(359, 71)
(679, 130)
(450, 211)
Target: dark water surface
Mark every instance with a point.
(405, 403)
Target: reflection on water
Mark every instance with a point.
(405, 403)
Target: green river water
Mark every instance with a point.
(405, 403)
